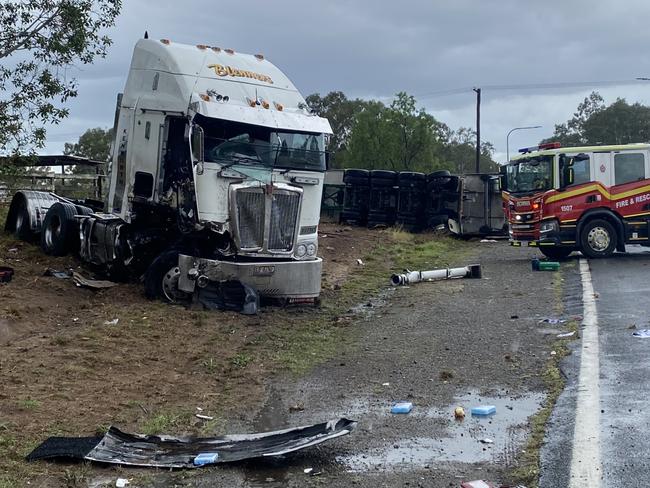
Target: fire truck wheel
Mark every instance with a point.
(161, 279)
(598, 239)
(556, 253)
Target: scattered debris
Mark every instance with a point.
(81, 280)
(538, 265)
(446, 375)
(230, 295)
(488, 240)
(62, 275)
(459, 413)
(402, 407)
(514, 317)
(643, 333)
(111, 322)
(117, 447)
(476, 484)
(121, 482)
(359, 262)
(6, 273)
(553, 353)
(487, 440)
(551, 320)
(566, 334)
(471, 271)
(385, 384)
(13, 250)
(307, 470)
(206, 458)
(484, 410)
(298, 407)
(203, 417)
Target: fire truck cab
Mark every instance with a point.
(593, 199)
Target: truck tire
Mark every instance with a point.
(60, 232)
(22, 229)
(161, 279)
(598, 239)
(554, 252)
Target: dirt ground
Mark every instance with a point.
(66, 370)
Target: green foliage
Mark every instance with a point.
(401, 137)
(593, 123)
(40, 41)
(94, 144)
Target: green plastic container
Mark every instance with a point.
(545, 265)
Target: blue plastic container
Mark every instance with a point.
(484, 410)
(402, 407)
(206, 458)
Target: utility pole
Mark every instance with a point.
(478, 129)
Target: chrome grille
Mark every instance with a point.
(284, 215)
(250, 217)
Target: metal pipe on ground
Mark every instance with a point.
(470, 271)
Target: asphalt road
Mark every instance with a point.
(620, 444)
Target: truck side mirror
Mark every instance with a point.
(197, 144)
(503, 178)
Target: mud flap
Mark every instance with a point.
(117, 447)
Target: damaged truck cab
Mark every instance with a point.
(216, 177)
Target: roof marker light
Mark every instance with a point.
(202, 46)
(278, 106)
(260, 57)
(230, 51)
(204, 97)
(265, 104)
(250, 102)
(165, 41)
(216, 49)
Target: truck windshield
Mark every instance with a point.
(530, 175)
(266, 147)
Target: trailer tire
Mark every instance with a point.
(598, 239)
(557, 253)
(21, 225)
(161, 278)
(60, 232)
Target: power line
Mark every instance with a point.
(530, 86)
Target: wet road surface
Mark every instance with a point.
(621, 290)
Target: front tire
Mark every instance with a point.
(161, 279)
(556, 253)
(598, 239)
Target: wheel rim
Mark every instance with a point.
(170, 285)
(598, 239)
(53, 231)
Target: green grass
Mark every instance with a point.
(29, 404)
(528, 468)
(165, 422)
(241, 360)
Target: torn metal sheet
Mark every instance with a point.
(117, 447)
(81, 280)
(62, 275)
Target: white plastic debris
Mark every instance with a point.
(203, 417)
(566, 334)
(487, 440)
(385, 384)
(643, 333)
(307, 470)
(121, 482)
(359, 262)
(111, 322)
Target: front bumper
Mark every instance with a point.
(273, 279)
(565, 237)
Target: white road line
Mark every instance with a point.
(586, 468)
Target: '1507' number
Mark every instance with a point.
(566, 208)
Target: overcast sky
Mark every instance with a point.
(375, 48)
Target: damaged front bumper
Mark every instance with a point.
(271, 279)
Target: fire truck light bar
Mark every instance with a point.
(541, 147)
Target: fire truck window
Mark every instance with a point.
(581, 172)
(628, 167)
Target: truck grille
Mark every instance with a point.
(253, 205)
(250, 217)
(284, 214)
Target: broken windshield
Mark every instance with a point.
(234, 143)
(530, 175)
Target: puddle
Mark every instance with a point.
(459, 441)
(370, 307)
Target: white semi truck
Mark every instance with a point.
(216, 177)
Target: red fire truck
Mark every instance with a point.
(591, 199)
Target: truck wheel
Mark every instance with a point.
(598, 239)
(60, 230)
(22, 229)
(556, 253)
(161, 279)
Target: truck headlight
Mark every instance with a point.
(311, 249)
(549, 226)
(301, 250)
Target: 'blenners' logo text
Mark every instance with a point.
(222, 70)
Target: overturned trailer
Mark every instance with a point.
(216, 177)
